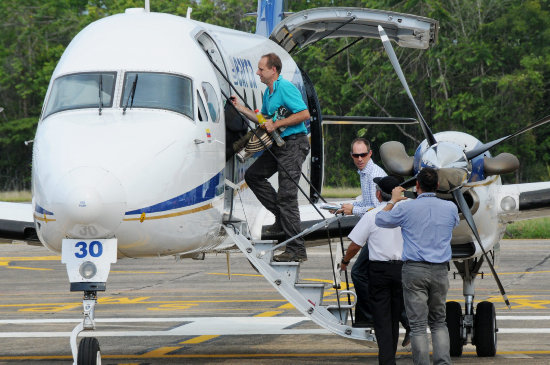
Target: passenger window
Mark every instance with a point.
(203, 117)
(211, 101)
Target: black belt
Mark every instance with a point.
(397, 262)
(426, 262)
(293, 136)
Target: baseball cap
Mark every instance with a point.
(386, 183)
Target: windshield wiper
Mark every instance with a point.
(131, 95)
(100, 93)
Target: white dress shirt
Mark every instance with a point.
(384, 243)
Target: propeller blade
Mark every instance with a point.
(459, 198)
(395, 63)
(483, 148)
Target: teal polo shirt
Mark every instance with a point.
(284, 93)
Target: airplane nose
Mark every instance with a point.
(89, 203)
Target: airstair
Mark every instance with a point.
(306, 297)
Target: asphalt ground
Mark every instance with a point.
(163, 311)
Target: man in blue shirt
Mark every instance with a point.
(287, 160)
(427, 225)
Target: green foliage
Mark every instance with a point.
(16, 156)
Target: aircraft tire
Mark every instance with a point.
(88, 352)
(454, 313)
(485, 330)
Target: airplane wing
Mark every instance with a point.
(309, 217)
(524, 201)
(16, 222)
(310, 26)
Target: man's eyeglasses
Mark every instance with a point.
(357, 155)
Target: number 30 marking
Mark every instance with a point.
(95, 249)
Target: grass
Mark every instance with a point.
(534, 228)
(340, 192)
(15, 196)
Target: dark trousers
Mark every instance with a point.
(386, 298)
(360, 278)
(284, 202)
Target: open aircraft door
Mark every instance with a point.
(299, 30)
(310, 26)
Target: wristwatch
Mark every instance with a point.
(344, 261)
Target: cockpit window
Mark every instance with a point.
(158, 91)
(83, 90)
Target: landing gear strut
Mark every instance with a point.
(88, 264)
(480, 328)
(88, 352)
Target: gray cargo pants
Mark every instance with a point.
(283, 203)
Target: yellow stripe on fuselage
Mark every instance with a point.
(43, 218)
(170, 215)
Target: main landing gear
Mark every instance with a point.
(479, 328)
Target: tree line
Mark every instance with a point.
(488, 74)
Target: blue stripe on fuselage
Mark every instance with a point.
(38, 209)
(201, 193)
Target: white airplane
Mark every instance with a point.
(132, 155)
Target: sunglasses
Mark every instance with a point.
(357, 155)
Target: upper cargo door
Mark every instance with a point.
(309, 26)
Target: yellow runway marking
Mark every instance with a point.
(27, 258)
(268, 314)
(161, 351)
(199, 339)
(286, 306)
(5, 262)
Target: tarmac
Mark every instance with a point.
(166, 311)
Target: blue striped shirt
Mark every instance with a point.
(368, 188)
(427, 225)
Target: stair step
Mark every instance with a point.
(288, 270)
(263, 248)
(340, 314)
(313, 292)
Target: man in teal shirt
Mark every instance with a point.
(287, 160)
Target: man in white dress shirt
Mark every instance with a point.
(385, 247)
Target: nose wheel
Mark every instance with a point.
(89, 352)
